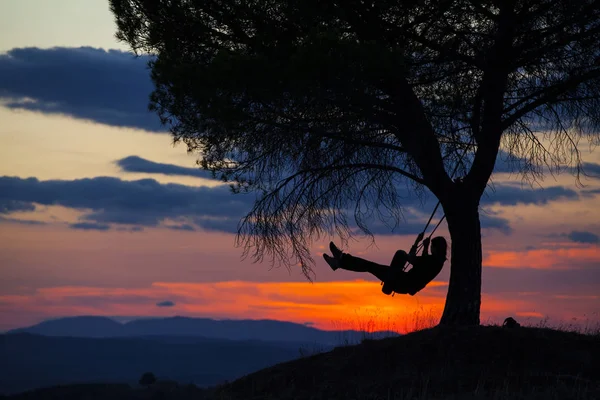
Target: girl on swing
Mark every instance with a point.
(424, 267)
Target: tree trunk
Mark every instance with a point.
(463, 300)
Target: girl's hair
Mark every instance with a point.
(440, 242)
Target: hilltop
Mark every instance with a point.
(484, 362)
(438, 363)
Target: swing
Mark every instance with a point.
(417, 246)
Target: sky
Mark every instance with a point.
(100, 214)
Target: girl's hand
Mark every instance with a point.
(420, 237)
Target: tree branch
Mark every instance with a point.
(367, 143)
(363, 166)
(493, 86)
(549, 95)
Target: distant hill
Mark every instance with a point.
(30, 361)
(76, 327)
(266, 330)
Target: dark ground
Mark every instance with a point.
(485, 362)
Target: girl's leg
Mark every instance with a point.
(399, 259)
(357, 264)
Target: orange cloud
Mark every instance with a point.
(530, 314)
(559, 258)
(576, 297)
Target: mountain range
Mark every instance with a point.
(264, 330)
(201, 351)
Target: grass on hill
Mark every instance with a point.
(483, 362)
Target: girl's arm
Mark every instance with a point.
(426, 247)
(413, 249)
(412, 257)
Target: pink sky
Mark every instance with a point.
(51, 271)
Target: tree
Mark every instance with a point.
(329, 110)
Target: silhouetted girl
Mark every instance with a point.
(424, 267)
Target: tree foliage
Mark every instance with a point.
(330, 110)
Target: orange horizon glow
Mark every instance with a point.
(358, 304)
(72, 273)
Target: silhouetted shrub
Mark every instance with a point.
(147, 379)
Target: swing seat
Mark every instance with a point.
(388, 289)
(393, 292)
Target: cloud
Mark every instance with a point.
(167, 303)
(591, 192)
(409, 227)
(183, 227)
(21, 221)
(494, 222)
(508, 163)
(413, 227)
(503, 194)
(553, 258)
(144, 202)
(130, 229)
(512, 195)
(90, 226)
(108, 87)
(506, 195)
(582, 281)
(138, 164)
(148, 203)
(583, 237)
(592, 169)
(8, 206)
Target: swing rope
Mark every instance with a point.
(420, 245)
(432, 215)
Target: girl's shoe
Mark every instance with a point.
(333, 262)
